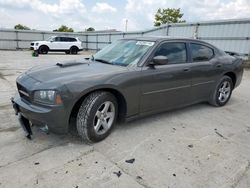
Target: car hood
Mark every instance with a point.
(76, 70)
(40, 41)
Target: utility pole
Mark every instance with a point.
(126, 25)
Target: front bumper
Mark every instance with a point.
(54, 117)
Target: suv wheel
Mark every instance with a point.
(43, 50)
(223, 92)
(73, 50)
(96, 116)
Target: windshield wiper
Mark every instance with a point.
(103, 61)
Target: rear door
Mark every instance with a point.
(205, 69)
(166, 86)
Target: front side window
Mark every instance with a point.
(58, 39)
(175, 51)
(200, 52)
(124, 52)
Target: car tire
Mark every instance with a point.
(67, 52)
(74, 50)
(43, 49)
(96, 116)
(222, 92)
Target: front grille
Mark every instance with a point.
(23, 92)
(32, 44)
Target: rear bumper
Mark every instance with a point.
(53, 116)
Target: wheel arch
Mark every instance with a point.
(74, 46)
(44, 45)
(122, 105)
(232, 75)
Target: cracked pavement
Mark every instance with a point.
(180, 148)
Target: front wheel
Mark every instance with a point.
(43, 50)
(222, 92)
(96, 116)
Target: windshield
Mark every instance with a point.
(123, 52)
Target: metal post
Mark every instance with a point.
(168, 26)
(87, 42)
(43, 35)
(17, 42)
(109, 38)
(126, 25)
(96, 42)
(195, 35)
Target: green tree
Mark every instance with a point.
(90, 29)
(64, 28)
(21, 27)
(169, 15)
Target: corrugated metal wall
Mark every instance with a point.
(229, 35)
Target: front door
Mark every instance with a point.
(166, 86)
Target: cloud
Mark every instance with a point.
(49, 15)
(141, 12)
(103, 8)
(56, 9)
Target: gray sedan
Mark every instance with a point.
(128, 79)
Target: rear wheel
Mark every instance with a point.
(223, 92)
(43, 49)
(97, 116)
(73, 50)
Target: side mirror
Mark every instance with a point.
(159, 60)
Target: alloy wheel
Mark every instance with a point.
(104, 117)
(224, 91)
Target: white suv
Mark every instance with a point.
(69, 45)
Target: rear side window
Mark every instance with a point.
(64, 39)
(176, 52)
(72, 39)
(200, 52)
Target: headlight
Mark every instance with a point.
(47, 97)
(37, 44)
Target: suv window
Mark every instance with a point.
(175, 51)
(64, 39)
(57, 39)
(200, 52)
(72, 39)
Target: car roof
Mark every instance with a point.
(64, 36)
(162, 38)
(166, 38)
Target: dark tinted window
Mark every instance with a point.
(200, 52)
(63, 39)
(72, 39)
(58, 39)
(176, 52)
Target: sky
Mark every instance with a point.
(111, 14)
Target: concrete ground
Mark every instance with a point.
(198, 146)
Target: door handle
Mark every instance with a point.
(186, 69)
(219, 65)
